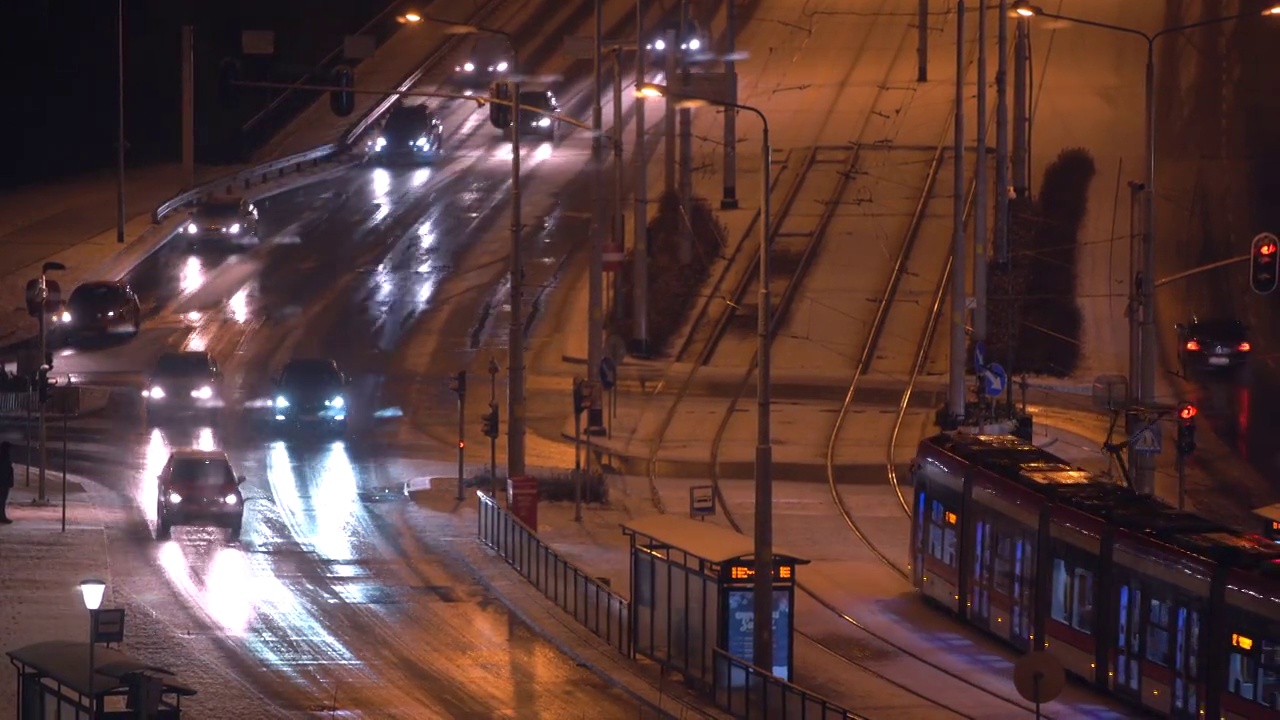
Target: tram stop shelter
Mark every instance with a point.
(54, 682)
(691, 598)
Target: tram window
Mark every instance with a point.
(1072, 595)
(942, 533)
(1158, 632)
(1004, 563)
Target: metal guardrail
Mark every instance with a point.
(597, 608)
(72, 400)
(747, 692)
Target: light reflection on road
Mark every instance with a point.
(192, 275)
(320, 511)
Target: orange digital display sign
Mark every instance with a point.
(747, 572)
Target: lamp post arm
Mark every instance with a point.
(1202, 23)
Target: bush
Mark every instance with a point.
(1033, 317)
(674, 282)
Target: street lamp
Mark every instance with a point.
(1142, 366)
(762, 639)
(91, 591)
(515, 332)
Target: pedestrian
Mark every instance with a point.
(6, 480)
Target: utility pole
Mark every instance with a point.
(686, 140)
(120, 219)
(922, 42)
(597, 113)
(515, 332)
(1144, 472)
(730, 199)
(640, 251)
(956, 386)
(619, 179)
(188, 108)
(493, 441)
(981, 190)
(670, 48)
(1021, 105)
(1002, 136)
(460, 389)
(595, 285)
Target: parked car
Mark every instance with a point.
(1217, 343)
(198, 487)
(98, 309)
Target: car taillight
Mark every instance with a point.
(1192, 345)
(1245, 347)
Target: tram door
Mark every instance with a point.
(1186, 663)
(983, 567)
(919, 520)
(1023, 598)
(1128, 681)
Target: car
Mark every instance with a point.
(309, 393)
(228, 218)
(183, 384)
(487, 60)
(693, 41)
(1213, 344)
(98, 309)
(410, 133)
(539, 122)
(198, 487)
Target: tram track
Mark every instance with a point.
(801, 245)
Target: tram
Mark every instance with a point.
(1165, 609)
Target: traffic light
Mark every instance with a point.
(489, 421)
(581, 398)
(42, 384)
(499, 114)
(1186, 428)
(342, 101)
(1262, 264)
(458, 383)
(228, 76)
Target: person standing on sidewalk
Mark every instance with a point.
(6, 481)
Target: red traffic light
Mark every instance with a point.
(1267, 248)
(1186, 411)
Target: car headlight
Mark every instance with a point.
(231, 499)
(544, 122)
(694, 44)
(659, 44)
(192, 229)
(281, 402)
(235, 229)
(379, 144)
(502, 67)
(63, 316)
(203, 393)
(421, 142)
(175, 498)
(469, 67)
(336, 402)
(155, 393)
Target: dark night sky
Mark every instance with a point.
(59, 117)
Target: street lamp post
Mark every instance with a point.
(42, 496)
(762, 638)
(91, 591)
(515, 330)
(120, 121)
(1143, 282)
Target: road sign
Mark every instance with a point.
(608, 373)
(994, 379)
(613, 258)
(579, 47)
(108, 625)
(702, 501)
(258, 42)
(710, 86)
(1039, 677)
(979, 356)
(1148, 440)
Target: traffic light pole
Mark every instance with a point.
(42, 379)
(462, 429)
(493, 441)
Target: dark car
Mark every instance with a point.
(198, 487)
(488, 59)
(309, 393)
(183, 384)
(410, 133)
(226, 218)
(1221, 343)
(692, 40)
(539, 121)
(99, 309)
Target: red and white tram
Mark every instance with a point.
(1166, 609)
